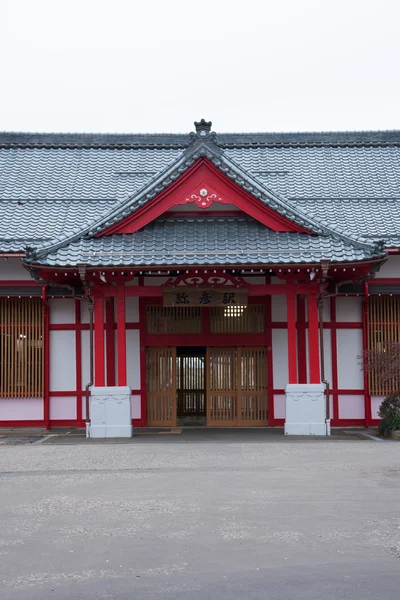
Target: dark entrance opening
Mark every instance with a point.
(191, 385)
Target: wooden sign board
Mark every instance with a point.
(205, 297)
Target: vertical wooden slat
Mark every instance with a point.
(21, 368)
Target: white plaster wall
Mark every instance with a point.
(85, 345)
(132, 310)
(351, 407)
(135, 407)
(280, 358)
(62, 310)
(133, 358)
(349, 309)
(11, 268)
(279, 406)
(376, 401)
(349, 347)
(277, 280)
(391, 268)
(278, 308)
(62, 361)
(328, 355)
(62, 407)
(21, 409)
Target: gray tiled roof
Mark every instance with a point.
(55, 187)
(80, 174)
(204, 241)
(325, 138)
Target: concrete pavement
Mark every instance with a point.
(216, 518)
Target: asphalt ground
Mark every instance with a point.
(215, 517)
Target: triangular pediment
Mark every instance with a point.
(206, 187)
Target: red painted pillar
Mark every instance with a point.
(367, 395)
(313, 338)
(334, 360)
(121, 335)
(292, 346)
(301, 339)
(99, 371)
(46, 352)
(110, 347)
(78, 344)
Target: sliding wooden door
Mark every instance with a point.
(237, 387)
(161, 386)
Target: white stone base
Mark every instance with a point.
(305, 409)
(110, 412)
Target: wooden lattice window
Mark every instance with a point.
(383, 328)
(173, 319)
(237, 319)
(21, 348)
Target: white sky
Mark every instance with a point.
(158, 65)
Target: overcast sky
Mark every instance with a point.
(158, 65)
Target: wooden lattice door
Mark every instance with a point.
(222, 382)
(237, 387)
(161, 386)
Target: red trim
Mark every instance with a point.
(327, 325)
(46, 365)
(292, 358)
(335, 399)
(19, 283)
(313, 339)
(388, 280)
(367, 397)
(270, 369)
(265, 289)
(110, 345)
(143, 342)
(200, 339)
(85, 326)
(301, 339)
(121, 335)
(99, 373)
(78, 357)
(141, 423)
(202, 174)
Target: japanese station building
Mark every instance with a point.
(196, 279)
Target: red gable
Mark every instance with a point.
(204, 185)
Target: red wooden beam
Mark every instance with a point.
(110, 346)
(46, 352)
(99, 373)
(313, 338)
(301, 339)
(291, 316)
(143, 342)
(333, 391)
(121, 335)
(367, 396)
(78, 358)
(266, 289)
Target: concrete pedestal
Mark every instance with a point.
(305, 409)
(110, 412)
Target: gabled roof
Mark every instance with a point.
(332, 184)
(204, 241)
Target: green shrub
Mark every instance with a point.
(391, 423)
(390, 407)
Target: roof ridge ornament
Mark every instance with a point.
(203, 127)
